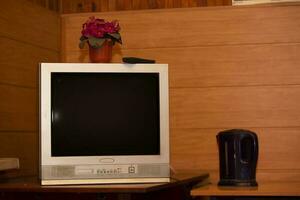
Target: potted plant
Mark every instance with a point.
(100, 35)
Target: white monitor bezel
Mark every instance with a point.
(45, 113)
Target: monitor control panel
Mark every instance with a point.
(106, 170)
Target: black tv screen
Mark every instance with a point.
(102, 114)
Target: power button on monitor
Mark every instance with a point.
(131, 169)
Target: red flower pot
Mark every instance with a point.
(102, 54)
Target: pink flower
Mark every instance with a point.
(111, 27)
(98, 27)
(95, 31)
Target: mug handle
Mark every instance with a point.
(250, 139)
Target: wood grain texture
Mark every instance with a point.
(203, 27)
(264, 175)
(234, 67)
(29, 35)
(20, 61)
(148, 190)
(76, 6)
(261, 106)
(18, 108)
(53, 5)
(284, 189)
(23, 145)
(218, 65)
(38, 28)
(278, 149)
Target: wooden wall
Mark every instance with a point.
(230, 67)
(29, 34)
(79, 6)
(54, 5)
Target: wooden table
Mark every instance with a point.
(265, 189)
(30, 188)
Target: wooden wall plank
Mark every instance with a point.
(112, 5)
(20, 61)
(23, 145)
(278, 149)
(124, 5)
(219, 65)
(49, 4)
(269, 106)
(229, 26)
(221, 107)
(72, 6)
(66, 6)
(104, 5)
(18, 108)
(39, 27)
(29, 34)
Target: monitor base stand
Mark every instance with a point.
(105, 181)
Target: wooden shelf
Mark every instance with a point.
(30, 188)
(263, 189)
(32, 184)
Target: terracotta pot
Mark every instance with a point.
(101, 55)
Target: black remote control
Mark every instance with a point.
(134, 60)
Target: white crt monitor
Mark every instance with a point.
(103, 123)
